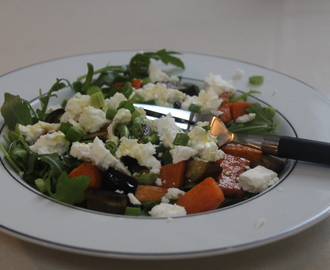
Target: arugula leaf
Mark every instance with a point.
(139, 64)
(244, 96)
(69, 190)
(262, 124)
(14, 110)
(44, 100)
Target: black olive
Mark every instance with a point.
(55, 116)
(106, 201)
(113, 180)
(191, 90)
(132, 164)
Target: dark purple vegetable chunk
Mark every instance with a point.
(105, 201)
(113, 180)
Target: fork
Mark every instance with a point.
(276, 145)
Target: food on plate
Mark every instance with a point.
(98, 151)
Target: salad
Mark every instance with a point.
(99, 150)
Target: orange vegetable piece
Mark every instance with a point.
(172, 175)
(206, 196)
(251, 154)
(145, 193)
(237, 109)
(89, 170)
(136, 83)
(118, 84)
(232, 167)
(226, 116)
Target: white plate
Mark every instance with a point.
(300, 200)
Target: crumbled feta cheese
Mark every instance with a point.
(238, 74)
(245, 118)
(167, 210)
(81, 151)
(143, 153)
(260, 222)
(172, 194)
(257, 179)
(92, 119)
(102, 157)
(33, 132)
(180, 153)
(51, 143)
(156, 75)
(53, 108)
(69, 117)
(162, 95)
(76, 104)
(114, 101)
(133, 200)
(205, 143)
(216, 84)
(167, 130)
(208, 100)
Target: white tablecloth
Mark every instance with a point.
(290, 36)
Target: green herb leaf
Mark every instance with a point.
(243, 96)
(16, 111)
(262, 124)
(69, 190)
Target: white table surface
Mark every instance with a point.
(290, 36)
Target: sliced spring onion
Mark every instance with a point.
(152, 138)
(136, 130)
(73, 134)
(123, 131)
(132, 211)
(65, 126)
(41, 185)
(137, 98)
(256, 80)
(195, 108)
(97, 100)
(181, 139)
(126, 105)
(111, 146)
(93, 89)
(110, 114)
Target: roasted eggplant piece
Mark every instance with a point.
(273, 163)
(113, 180)
(197, 170)
(55, 116)
(106, 201)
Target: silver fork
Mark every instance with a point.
(276, 145)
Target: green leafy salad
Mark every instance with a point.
(98, 150)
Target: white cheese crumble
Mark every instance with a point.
(205, 143)
(257, 179)
(51, 143)
(172, 194)
(181, 153)
(33, 132)
(162, 95)
(114, 101)
(167, 210)
(218, 85)
(133, 200)
(75, 106)
(208, 100)
(102, 157)
(81, 151)
(238, 74)
(143, 153)
(156, 75)
(92, 119)
(167, 130)
(245, 118)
